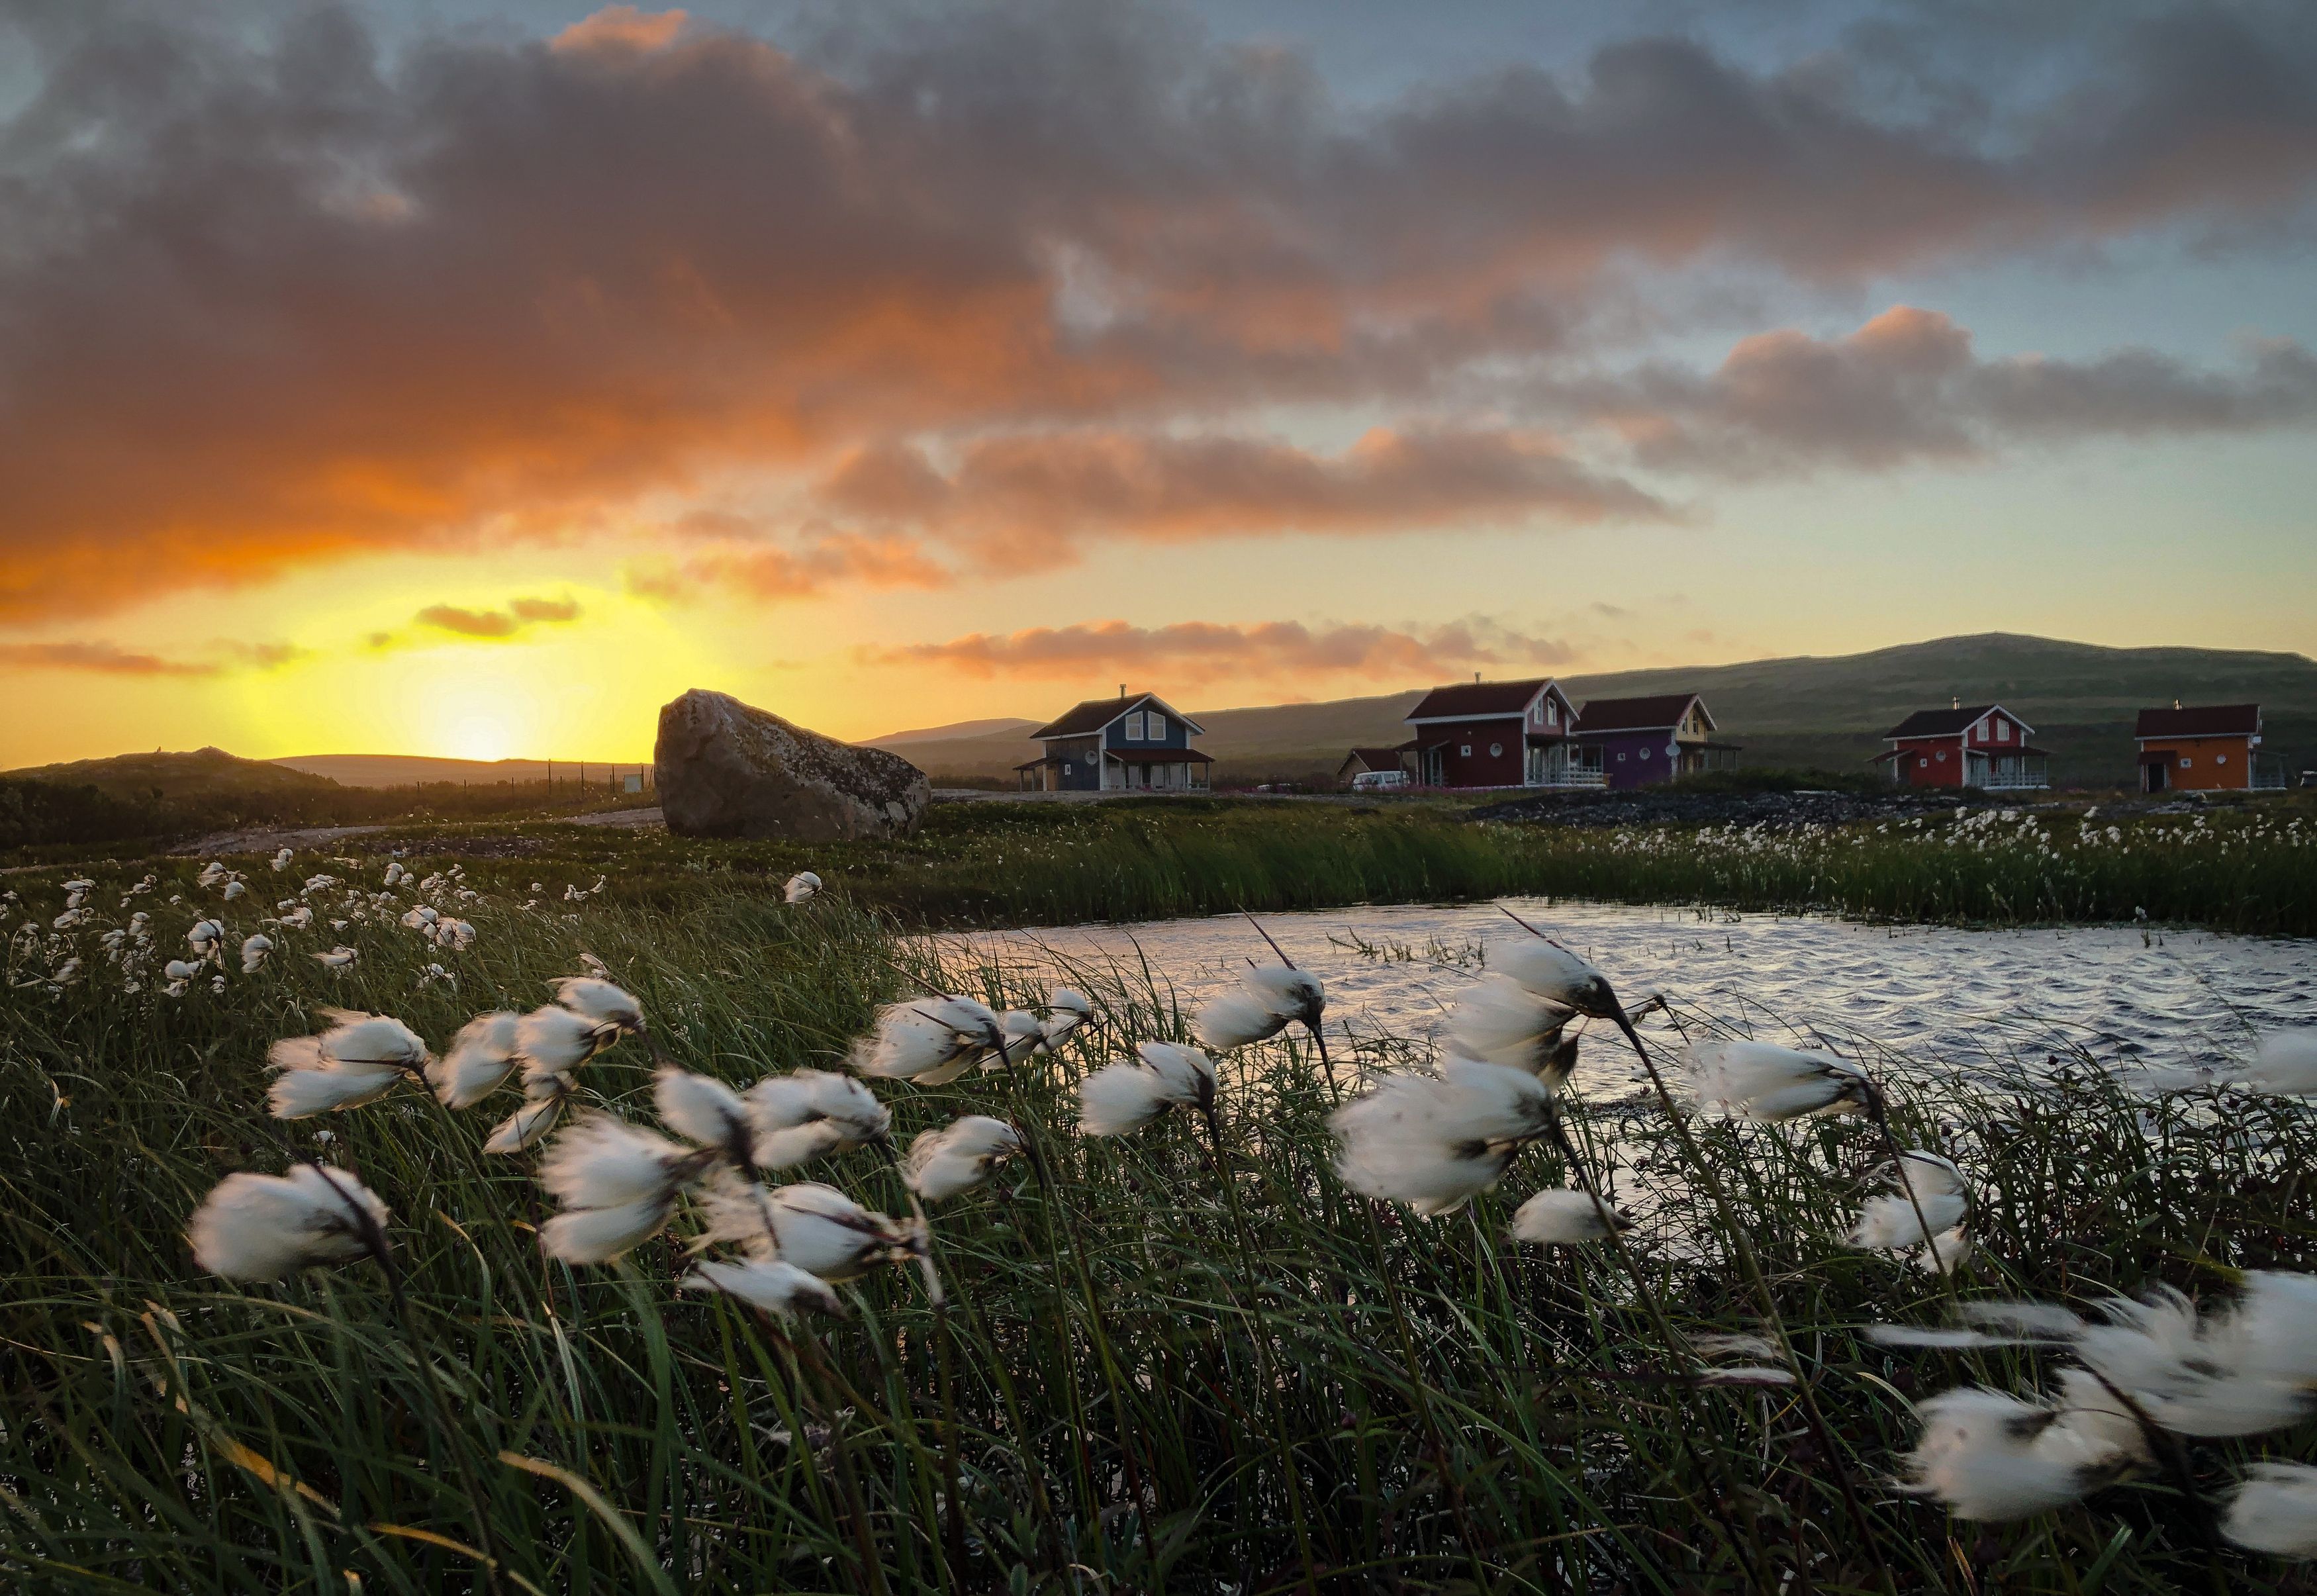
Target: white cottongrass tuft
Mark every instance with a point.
(958, 1156)
(234, 888)
(544, 1100)
(1500, 1021)
(930, 1041)
(2274, 1511)
(703, 1109)
(617, 1183)
(1988, 1455)
(254, 949)
(801, 886)
(358, 1060)
(1067, 1009)
(768, 1284)
(282, 860)
(553, 1040)
(1433, 1142)
(337, 958)
(262, 1227)
(212, 874)
(204, 937)
(480, 1057)
(1552, 973)
(600, 1004)
(1126, 1096)
(1930, 1191)
(816, 1227)
(811, 1114)
(2285, 1064)
(1266, 1000)
(1762, 1081)
(1555, 1218)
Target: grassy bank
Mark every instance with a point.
(2252, 869)
(1161, 1379)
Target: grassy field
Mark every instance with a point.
(1171, 1366)
(2252, 868)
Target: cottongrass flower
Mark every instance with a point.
(1930, 1191)
(801, 886)
(357, 1061)
(212, 874)
(544, 1099)
(1126, 1096)
(204, 937)
(2274, 1511)
(812, 1114)
(617, 1183)
(255, 948)
(480, 1058)
(1433, 1142)
(65, 973)
(1762, 1081)
(1557, 1218)
(1988, 1455)
(234, 888)
(297, 917)
(1500, 1021)
(421, 918)
(262, 1227)
(703, 1109)
(1552, 973)
(1266, 1000)
(958, 1156)
(1067, 1009)
(179, 975)
(816, 1227)
(337, 958)
(2285, 1064)
(768, 1284)
(2238, 1370)
(929, 1040)
(282, 860)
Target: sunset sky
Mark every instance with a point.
(469, 378)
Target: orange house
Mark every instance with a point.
(2209, 747)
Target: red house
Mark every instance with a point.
(2204, 747)
(1983, 746)
(1501, 734)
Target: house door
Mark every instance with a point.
(2155, 774)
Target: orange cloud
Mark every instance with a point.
(519, 616)
(1198, 651)
(316, 299)
(106, 658)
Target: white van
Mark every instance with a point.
(1379, 781)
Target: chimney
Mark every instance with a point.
(2176, 704)
(1476, 678)
(1955, 701)
(1122, 689)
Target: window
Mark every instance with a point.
(2220, 758)
(1621, 756)
(1552, 713)
(1465, 751)
(1922, 764)
(1645, 753)
(1154, 726)
(2003, 729)
(1496, 750)
(1942, 756)
(1066, 767)
(1134, 727)
(2186, 761)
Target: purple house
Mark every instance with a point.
(1640, 742)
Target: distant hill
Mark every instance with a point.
(403, 770)
(1821, 712)
(956, 730)
(204, 773)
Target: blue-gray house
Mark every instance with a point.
(1137, 742)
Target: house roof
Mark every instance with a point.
(1472, 700)
(2202, 720)
(1944, 722)
(1664, 710)
(1379, 757)
(1096, 714)
(1158, 755)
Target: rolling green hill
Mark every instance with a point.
(203, 775)
(1822, 712)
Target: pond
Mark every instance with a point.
(1938, 995)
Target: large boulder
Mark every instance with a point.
(725, 769)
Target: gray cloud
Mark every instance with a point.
(268, 297)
